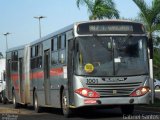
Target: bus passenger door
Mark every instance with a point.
(21, 79)
(70, 68)
(8, 80)
(47, 77)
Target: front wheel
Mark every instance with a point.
(127, 109)
(65, 106)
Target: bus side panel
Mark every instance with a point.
(36, 85)
(55, 88)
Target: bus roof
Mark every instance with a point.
(108, 20)
(16, 48)
(67, 28)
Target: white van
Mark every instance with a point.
(2, 78)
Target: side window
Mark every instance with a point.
(8, 69)
(55, 47)
(58, 49)
(54, 58)
(39, 62)
(33, 51)
(36, 56)
(63, 41)
(14, 63)
(15, 56)
(59, 42)
(62, 53)
(39, 50)
(62, 56)
(55, 44)
(36, 50)
(52, 44)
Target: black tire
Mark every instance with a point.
(1, 97)
(15, 104)
(64, 105)
(37, 108)
(4, 100)
(127, 109)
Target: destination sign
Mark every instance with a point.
(104, 28)
(112, 27)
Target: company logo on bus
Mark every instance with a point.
(116, 79)
(114, 92)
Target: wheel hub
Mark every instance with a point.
(35, 103)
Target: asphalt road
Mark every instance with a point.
(8, 113)
(55, 114)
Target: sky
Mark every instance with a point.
(17, 18)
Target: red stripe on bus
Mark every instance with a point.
(14, 76)
(37, 75)
(40, 75)
(56, 71)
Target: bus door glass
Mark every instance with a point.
(70, 68)
(21, 79)
(47, 76)
(8, 81)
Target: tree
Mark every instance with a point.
(150, 16)
(82, 2)
(100, 9)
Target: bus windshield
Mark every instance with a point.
(111, 56)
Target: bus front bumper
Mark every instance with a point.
(82, 101)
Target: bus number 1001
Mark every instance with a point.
(92, 81)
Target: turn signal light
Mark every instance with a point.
(140, 91)
(87, 93)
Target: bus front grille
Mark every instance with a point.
(114, 89)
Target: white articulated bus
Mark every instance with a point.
(93, 63)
